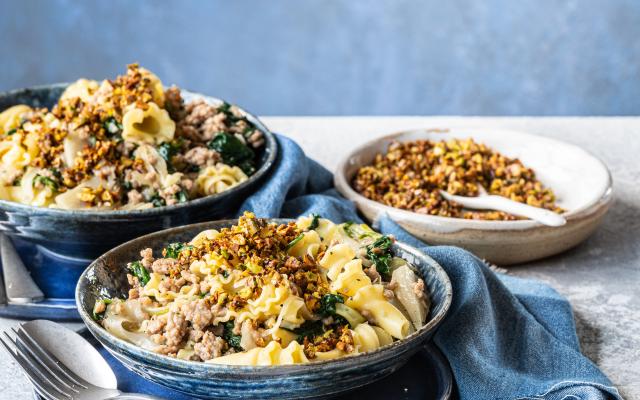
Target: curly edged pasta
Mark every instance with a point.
(257, 293)
(145, 146)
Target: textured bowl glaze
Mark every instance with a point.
(582, 184)
(86, 234)
(107, 276)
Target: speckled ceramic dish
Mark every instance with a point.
(581, 182)
(87, 234)
(107, 275)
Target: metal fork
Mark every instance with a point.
(50, 377)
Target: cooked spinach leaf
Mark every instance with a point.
(46, 181)
(294, 241)
(379, 252)
(233, 152)
(173, 250)
(315, 221)
(139, 271)
(232, 339)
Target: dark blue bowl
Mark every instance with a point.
(80, 236)
(107, 276)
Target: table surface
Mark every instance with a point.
(600, 277)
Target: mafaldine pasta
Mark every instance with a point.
(125, 143)
(259, 293)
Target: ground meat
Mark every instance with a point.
(373, 274)
(174, 104)
(171, 285)
(108, 172)
(134, 293)
(100, 307)
(368, 316)
(155, 325)
(213, 125)
(211, 346)
(198, 313)
(147, 257)
(202, 157)
(388, 294)
(175, 330)
(163, 265)
(418, 288)
(255, 138)
(135, 197)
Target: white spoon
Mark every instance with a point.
(79, 356)
(492, 202)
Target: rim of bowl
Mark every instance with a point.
(270, 147)
(149, 355)
(343, 185)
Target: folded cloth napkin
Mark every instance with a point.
(505, 337)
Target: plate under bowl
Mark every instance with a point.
(581, 182)
(85, 234)
(107, 275)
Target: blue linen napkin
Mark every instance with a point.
(505, 337)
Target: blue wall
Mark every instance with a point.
(486, 57)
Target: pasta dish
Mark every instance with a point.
(125, 143)
(258, 293)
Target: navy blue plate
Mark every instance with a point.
(56, 276)
(426, 376)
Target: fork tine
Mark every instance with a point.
(49, 359)
(41, 386)
(41, 359)
(36, 369)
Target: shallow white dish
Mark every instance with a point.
(581, 182)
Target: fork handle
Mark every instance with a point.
(135, 396)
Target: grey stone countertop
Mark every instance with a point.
(600, 277)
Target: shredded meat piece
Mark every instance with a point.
(211, 346)
(175, 330)
(163, 265)
(147, 257)
(135, 197)
(418, 288)
(155, 325)
(198, 313)
(201, 156)
(174, 103)
(373, 274)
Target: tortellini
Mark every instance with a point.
(218, 178)
(152, 125)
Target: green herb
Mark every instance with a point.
(112, 126)
(92, 141)
(232, 339)
(100, 316)
(315, 221)
(11, 131)
(139, 271)
(347, 228)
(127, 185)
(309, 329)
(225, 254)
(170, 149)
(328, 304)
(379, 252)
(224, 107)
(45, 181)
(173, 250)
(182, 196)
(225, 273)
(294, 241)
(56, 173)
(358, 231)
(158, 201)
(233, 152)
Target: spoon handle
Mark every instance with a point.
(541, 215)
(499, 203)
(135, 396)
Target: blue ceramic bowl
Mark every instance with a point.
(107, 276)
(84, 235)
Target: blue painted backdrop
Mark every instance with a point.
(486, 57)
